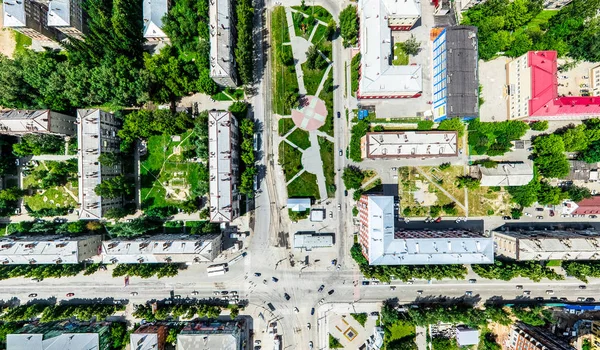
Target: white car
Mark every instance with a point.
(528, 214)
(296, 310)
(321, 301)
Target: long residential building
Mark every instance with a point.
(548, 245)
(383, 245)
(525, 337)
(53, 249)
(409, 144)
(505, 174)
(379, 79)
(222, 34)
(168, 248)
(68, 17)
(455, 73)
(228, 335)
(29, 17)
(153, 13)
(223, 140)
(97, 134)
(148, 337)
(61, 336)
(19, 122)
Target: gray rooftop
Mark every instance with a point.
(52, 249)
(309, 241)
(221, 51)
(298, 204)
(506, 174)
(548, 245)
(65, 341)
(580, 170)
(143, 341)
(463, 78)
(153, 12)
(14, 13)
(221, 163)
(407, 144)
(467, 336)
(162, 248)
(59, 14)
(20, 121)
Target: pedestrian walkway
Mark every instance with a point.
(54, 157)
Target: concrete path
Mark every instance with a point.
(299, 48)
(441, 188)
(375, 178)
(312, 162)
(325, 135)
(54, 157)
(421, 338)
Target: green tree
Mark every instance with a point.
(170, 76)
(78, 226)
(550, 195)
(452, 124)
(467, 182)
(109, 159)
(435, 210)
(349, 25)
(314, 60)
(592, 153)
(244, 51)
(331, 29)
(541, 125)
(553, 165)
(425, 125)
(450, 209)
(115, 187)
(577, 193)
(116, 213)
(353, 177)
(411, 46)
(575, 139)
(172, 336)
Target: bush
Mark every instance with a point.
(349, 25)
(435, 210)
(353, 177)
(444, 166)
(425, 125)
(541, 125)
(148, 270)
(450, 209)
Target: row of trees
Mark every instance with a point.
(406, 272)
(494, 139)
(143, 123)
(36, 144)
(46, 227)
(54, 312)
(40, 271)
(349, 26)
(244, 50)
(506, 270)
(582, 269)
(174, 311)
(506, 26)
(147, 270)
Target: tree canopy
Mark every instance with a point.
(349, 25)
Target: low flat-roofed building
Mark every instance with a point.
(97, 134)
(222, 61)
(52, 249)
(298, 204)
(223, 166)
(312, 240)
(588, 206)
(582, 171)
(409, 144)
(148, 337)
(548, 245)
(167, 248)
(21, 122)
(378, 77)
(317, 215)
(153, 13)
(229, 335)
(466, 336)
(505, 174)
(61, 336)
(383, 245)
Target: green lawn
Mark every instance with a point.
(305, 185)
(22, 42)
(400, 57)
(312, 78)
(285, 125)
(284, 79)
(400, 330)
(220, 96)
(317, 11)
(303, 26)
(299, 138)
(290, 160)
(163, 168)
(327, 156)
(55, 197)
(319, 34)
(327, 96)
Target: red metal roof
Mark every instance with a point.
(589, 206)
(544, 100)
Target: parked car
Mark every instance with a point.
(339, 115)
(506, 218)
(539, 299)
(331, 292)
(312, 311)
(321, 288)
(539, 217)
(528, 214)
(469, 293)
(419, 292)
(365, 283)
(519, 286)
(70, 294)
(274, 279)
(341, 152)
(526, 292)
(257, 274)
(593, 216)
(32, 295)
(590, 300)
(133, 293)
(582, 287)
(550, 292)
(472, 280)
(439, 219)
(286, 296)
(580, 299)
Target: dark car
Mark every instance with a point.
(582, 287)
(257, 274)
(365, 283)
(274, 279)
(286, 296)
(590, 300)
(506, 218)
(312, 311)
(32, 295)
(339, 114)
(346, 193)
(321, 288)
(331, 292)
(271, 307)
(539, 299)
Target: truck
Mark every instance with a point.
(217, 269)
(271, 307)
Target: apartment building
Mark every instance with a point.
(148, 337)
(153, 12)
(61, 336)
(20, 122)
(50, 249)
(409, 144)
(223, 162)
(68, 17)
(231, 335)
(222, 34)
(97, 134)
(30, 18)
(525, 337)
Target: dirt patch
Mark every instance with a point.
(7, 40)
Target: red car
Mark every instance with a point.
(70, 294)
(551, 212)
(438, 219)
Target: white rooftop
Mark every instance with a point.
(65, 341)
(311, 241)
(207, 342)
(59, 14)
(221, 52)
(14, 13)
(467, 336)
(220, 163)
(153, 12)
(298, 204)
(41, 249)
(506, 174)
(143, 341)
(378, 76)
(548, 245)
(20, 121)
(162, 248)
(406, 144)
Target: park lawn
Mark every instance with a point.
(319, 35)
(220, 96)
(327, 96)
(55, 197)
(285, 125)
(312, 78)
(400, 57)
(299, 138)
(400, 330)
(304, 185)
(448, 177)
(327, 156)
(284, 79)
(290, 160)
(303, 25)
(486, 202)
(318, 11)
(22, 42)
